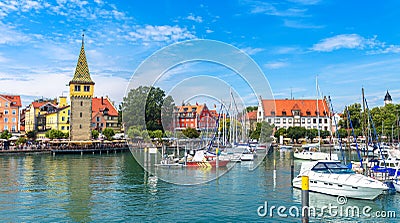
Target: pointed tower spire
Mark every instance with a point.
(82, 75)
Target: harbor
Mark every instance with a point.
(114, 187)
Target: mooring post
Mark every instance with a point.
(305, 199)
(291, 170)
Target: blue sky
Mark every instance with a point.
(348, 44)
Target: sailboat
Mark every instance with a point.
(313, 151)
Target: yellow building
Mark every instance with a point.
(59, 118)
(42, 116)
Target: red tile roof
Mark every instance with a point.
(198, 108)
(252, 115)
(14, 99)
(307, 107)
(99, 104)
(38, 104)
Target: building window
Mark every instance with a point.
(284, 120)
(6, 104)
(6, 127)
(81, 103)
(272, 113)
(80, 126)
(283, 113)
(14, 120)
(97, 119)
(80, 114)
(5, 120)
(77, 88)
(86, 88)
(320, 120)
(326, 121)
(6, 112)
(62, 127)
(67, 127)
(314, 120)
(269, 120)
(14, 112)
(303, 120)
(62, 118)
(308, 120)
(13, 128)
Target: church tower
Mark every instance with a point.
(388, 98)
(81, 89)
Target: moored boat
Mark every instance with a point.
(333, 178)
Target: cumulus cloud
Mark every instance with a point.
(355, 41)
(164, 33)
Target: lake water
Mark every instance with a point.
(115, 188)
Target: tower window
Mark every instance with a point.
(86, 88)
(77, 88)
(81, 103)
(80, 114)
(80, 126)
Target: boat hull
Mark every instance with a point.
(308, 155)
(334, 185)
(207, 164)
(396, 185)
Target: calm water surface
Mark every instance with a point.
(114, 188)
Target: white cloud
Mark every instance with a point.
(349, 41)
(10, 36)
(276, 64)
(355, 41)
(252, 51)
(300, 25)
(306, 2)
(192, 17)
(164, 33)
(259, 7)
(209, 31)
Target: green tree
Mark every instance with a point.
(167, 113)
(255, 134)
(296, 132)
(95, 134)
(21, 140)
(108, 133)
(312, 133)
(191, 133)
(280, 132)
(266, 132)
(31, 135)
(55, 134)
(5, 135)
(142, 107)
(251, 108)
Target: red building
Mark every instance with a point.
(9, 113)
(104, 115)
(194, 116)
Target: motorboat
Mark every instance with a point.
(245, 151)
(285, 147)
(333, 178)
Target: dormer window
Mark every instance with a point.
(308, 113)
(273, 113)
(77, 88)
(284, 113)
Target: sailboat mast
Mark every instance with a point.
(319, 133)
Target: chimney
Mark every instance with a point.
(102, 102)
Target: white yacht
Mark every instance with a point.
(314, 155)
(333, 178)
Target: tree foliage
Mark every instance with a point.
(191, 133)
(55, 134)
(251, 108)
(280, 132)
(143, 105)
(296, 132)
(95, 134)
(31, 135)
(5, 135)
(108, 133)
